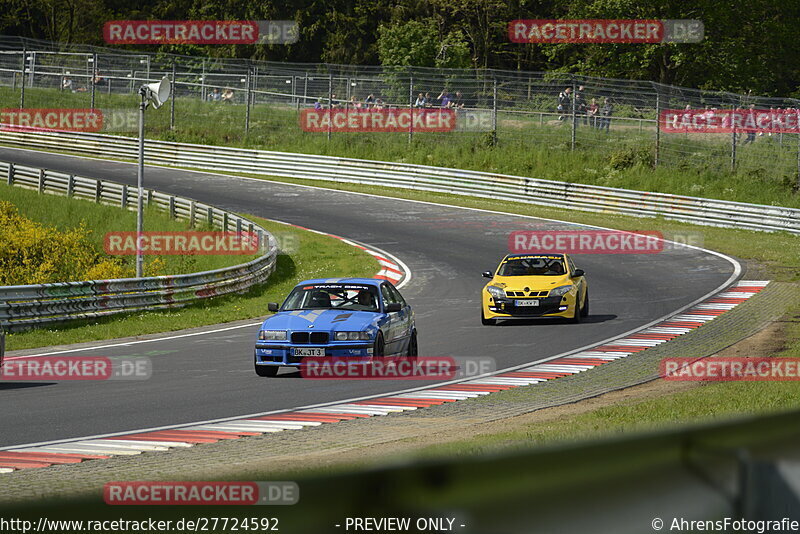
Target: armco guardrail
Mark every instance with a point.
(423, 178)
(25, 306)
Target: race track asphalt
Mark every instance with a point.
(211, 375)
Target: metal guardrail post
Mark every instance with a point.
(171, 207)
(40, 185)
(70, 185)
(10, 174)
(22, 79)
(192, 213)
(658, 130)
(124, 197)
(330, 104)
(203, 81)
(98, 192)
(733, 149)
(411, 108)
(95, 74)
(172, 100)
(248, 100)
(494, 111)
(574, 117)
(2, 344)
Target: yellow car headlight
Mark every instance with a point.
(560, 291)
(496, 292)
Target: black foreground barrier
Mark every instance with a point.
(744, 470)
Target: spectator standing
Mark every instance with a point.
(750, 118)
(564, 103)
(458, 102)
(215, 95)
(369, 101)
(444, 99)
(227, 96)
(66, 84)
(605, 112)
(592, 112)
(318, 104)
(420, 102)
(580, 106)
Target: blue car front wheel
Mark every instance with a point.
(266, 370)
(379, 349)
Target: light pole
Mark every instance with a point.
(156, 94)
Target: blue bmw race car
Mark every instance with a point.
(359, 318)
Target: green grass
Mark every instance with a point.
(766, 172)
(64, 214)
(317, 256)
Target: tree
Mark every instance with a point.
(419, 44)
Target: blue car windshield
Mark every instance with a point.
(357, 297)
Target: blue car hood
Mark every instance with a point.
(323, 320)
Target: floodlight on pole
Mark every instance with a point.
(156, 94)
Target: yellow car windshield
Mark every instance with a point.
(532, 267)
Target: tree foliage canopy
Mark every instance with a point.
(748, 46)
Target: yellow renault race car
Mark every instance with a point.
(535, 285)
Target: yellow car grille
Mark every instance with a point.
(527, 293)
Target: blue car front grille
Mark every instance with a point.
(310, 337)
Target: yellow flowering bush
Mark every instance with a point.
(31, 253)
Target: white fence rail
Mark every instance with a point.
(423, 178)
(30, 305)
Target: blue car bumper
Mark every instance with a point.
(283, 354)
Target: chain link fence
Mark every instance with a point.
(550, 111)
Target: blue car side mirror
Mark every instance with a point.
(393, 307)
(272, 306)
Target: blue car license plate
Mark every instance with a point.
(308, 351)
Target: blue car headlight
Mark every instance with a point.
(496, 292)
(560, 291)
(352, 336)
(272, 335)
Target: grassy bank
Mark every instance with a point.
(766, 171)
